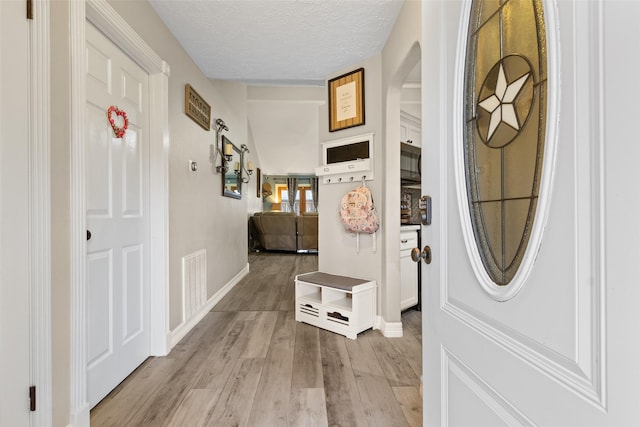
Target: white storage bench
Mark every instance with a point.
(340, 304)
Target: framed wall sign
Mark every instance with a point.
(346, 100)
(196, 107)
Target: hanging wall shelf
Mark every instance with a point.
(347, 160)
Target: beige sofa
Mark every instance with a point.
(308, 231)
(284, 231)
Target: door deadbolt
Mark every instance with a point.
(88, 235)
(425, 210)
(425, 254)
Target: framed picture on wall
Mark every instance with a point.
(346, 100)
(258, 184)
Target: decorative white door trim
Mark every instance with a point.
(452, 367)
(105, 18)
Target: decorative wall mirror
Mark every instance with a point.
(232, 181)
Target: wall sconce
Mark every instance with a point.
(224, 149)
(241, 167)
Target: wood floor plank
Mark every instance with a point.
(288, 297)
(221, 359)
(271, 403)
(361, 352)
(243, 295)
(260, 333)
(168, 395)
(195, 409)
(344, 406)
(268, 297)
(411, 349)
(394, 364)
(411, 404)
(379, 402)
(307, 360)
(192, 353)
(234, 405)
(412, 323)
(214, 324)
(308, 408)
(132, 393)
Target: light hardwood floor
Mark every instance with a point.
(249, 363)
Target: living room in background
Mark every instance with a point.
(285, 226)
(305, 200)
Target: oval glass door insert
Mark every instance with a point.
(505, 90)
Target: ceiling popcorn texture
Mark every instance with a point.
(289, 42)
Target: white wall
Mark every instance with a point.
(199, 217)
(337, 248)
(399, 57)
(284, 124)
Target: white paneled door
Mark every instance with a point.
(117, 212)
(565, 349)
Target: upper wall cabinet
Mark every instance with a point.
(410, 129)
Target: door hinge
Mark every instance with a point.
(32, 398)
(29, 9)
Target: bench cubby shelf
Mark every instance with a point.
(344, 305)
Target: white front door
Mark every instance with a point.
(564, 351)
(117, 201)
(14, 216)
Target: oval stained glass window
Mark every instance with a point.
(505, 90)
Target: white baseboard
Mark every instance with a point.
(183, 329)
(376, 322)
(389, 329)
(80, 418)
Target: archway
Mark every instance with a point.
(392, 196)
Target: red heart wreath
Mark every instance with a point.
(119, 131)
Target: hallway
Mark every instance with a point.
(249, 363)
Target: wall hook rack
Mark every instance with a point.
(347, 160)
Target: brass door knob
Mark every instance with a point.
(425, 254)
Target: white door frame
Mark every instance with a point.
(40, 212)
(106, 19)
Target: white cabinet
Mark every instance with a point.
(408, 268)
(410, 129)
(344, 305)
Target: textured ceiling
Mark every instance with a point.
(297, 42)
